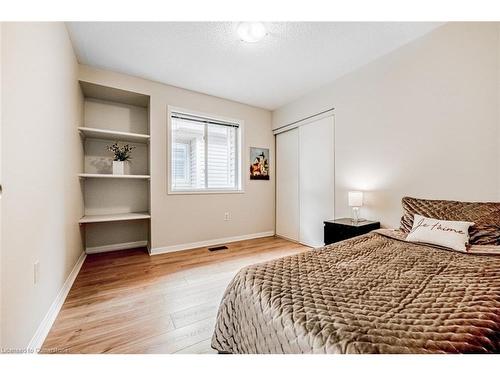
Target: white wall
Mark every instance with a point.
(498, 106)
(41, 155)
(1, 126)
(421, 121)
(184, 219)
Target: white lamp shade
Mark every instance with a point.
(355, 198)
(251, 32)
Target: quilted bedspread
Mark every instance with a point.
(370, 294)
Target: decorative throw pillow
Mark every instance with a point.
(485, 215)
(451, 234)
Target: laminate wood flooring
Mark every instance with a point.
(130, 302)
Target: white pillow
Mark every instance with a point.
(450, 234)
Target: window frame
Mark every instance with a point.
(186, 149)
(240, 188)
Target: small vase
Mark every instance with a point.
(118, 167)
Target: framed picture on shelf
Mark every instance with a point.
(259, 163)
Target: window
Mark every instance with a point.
(205, 154)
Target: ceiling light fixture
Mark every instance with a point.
(251, 32)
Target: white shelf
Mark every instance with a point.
(122, 176)
(114, 217)
(95, 91)
(113, 135)
(103, 193)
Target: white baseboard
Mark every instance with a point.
(298, 242)
(118, 246)
(287, 238)
(218, 241)
(43, 329)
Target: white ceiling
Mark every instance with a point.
(293, 59)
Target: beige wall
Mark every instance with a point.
(421, 121)
(41, 155)
(184, 219)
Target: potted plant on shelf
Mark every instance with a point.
(121, 155)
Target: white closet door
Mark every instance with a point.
(316, 179)
(287, 184)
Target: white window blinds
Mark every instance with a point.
(204, 154)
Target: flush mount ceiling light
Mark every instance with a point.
(251, 32)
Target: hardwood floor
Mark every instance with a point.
(129, 302)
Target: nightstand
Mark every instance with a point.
(342, 229)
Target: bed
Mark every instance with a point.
(375, 293)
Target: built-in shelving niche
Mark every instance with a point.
(117, 208)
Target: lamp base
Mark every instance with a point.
(358, 220)
(355, 215)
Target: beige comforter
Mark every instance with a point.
(371, 294)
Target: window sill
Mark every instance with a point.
(202, 192)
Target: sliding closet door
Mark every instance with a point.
(316, 179)
(287, 184)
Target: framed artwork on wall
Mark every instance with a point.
(259, 163)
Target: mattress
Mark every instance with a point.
(371, 294)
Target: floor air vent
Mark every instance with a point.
(217, 248)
